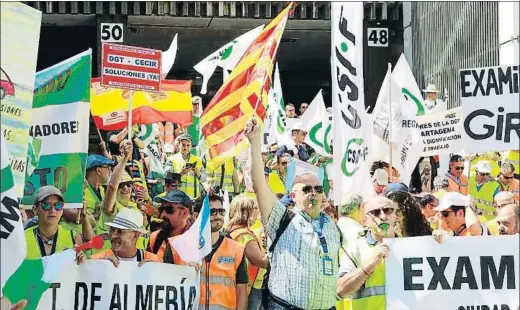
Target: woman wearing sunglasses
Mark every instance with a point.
(48, 237)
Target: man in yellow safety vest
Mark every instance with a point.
(188, 165)
(362, 269)
(483, 190)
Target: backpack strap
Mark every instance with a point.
(284, 223)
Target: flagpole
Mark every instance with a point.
(390, 125)
(130, 98)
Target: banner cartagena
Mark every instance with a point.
(351, 126)
(20, 31)
(61, 121)
(460, 273)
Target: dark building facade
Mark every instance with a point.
(450, 36)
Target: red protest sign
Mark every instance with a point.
(130, 67)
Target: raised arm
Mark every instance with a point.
(113, 184)
(266, 198)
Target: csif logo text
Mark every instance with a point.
(347, 45)
(355, 154)
(314, 136)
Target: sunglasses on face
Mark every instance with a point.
(386, 211)
(167, 209)
(508, 178)
(308, 189)
(483, 174)
(46, 206)
(220, 212)
(125, 184)
(446, 213)
(459, 168)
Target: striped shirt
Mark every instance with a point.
(296, 274)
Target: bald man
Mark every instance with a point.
(508, 219)
(501, 199)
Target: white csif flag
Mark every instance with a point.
(278, 131)
(410, 95)
(406, 144)
(12, 238)
(168, 58)
(351, 125)
(316, 120)
(226, 57)
(195, 243)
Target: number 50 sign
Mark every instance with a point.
(377, 37)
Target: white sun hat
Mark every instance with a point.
(128, 219)
(431, 88)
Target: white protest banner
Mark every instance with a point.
(441, 132)
(97, 284)
(461, 273)
(489, 98)
(351, 126)
(297, 167)
(20, 32)
(316, 120)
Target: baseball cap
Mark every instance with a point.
(380, 176)
(175, 196)
(483, 166)
(125, 177)
(96, 160)
(396, 187)
(46, 191)
(299, 126)
(170, 175)
(452, 199)
(184, 136)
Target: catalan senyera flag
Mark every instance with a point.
(109, 106)
(243, 95)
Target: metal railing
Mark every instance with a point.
(450, 36)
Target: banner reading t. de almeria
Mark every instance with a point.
(61, 110)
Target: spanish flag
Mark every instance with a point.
(109, 106)
(243, 95)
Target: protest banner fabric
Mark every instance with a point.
(297, 167)
(61, 120)
(489, 98)
(20, 31)
(13, 249)
(351, 126)
(97, 284)
(460, 273)
(316, 120)
(410, 93)
(243, 95)
(109, 106)
(34, 276)
(226, 57)
(275, 124)
(441, 132)
(168, 58)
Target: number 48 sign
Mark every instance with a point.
(377, 37)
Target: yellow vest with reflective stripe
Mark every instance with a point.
(64, 241)
(190, 184)
(484, 198)
(215, 175)
(92, 201)
(276, 184)
(372, 294)
(513, 158)
(345, 303)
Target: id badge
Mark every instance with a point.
(327, 266)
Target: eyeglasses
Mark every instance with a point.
(446, 213)
(308, 188)
(220, 212)
(124, 184)
(386, 211)
(507, 178)
(167, 209)
(46, 206)
(459, 168)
